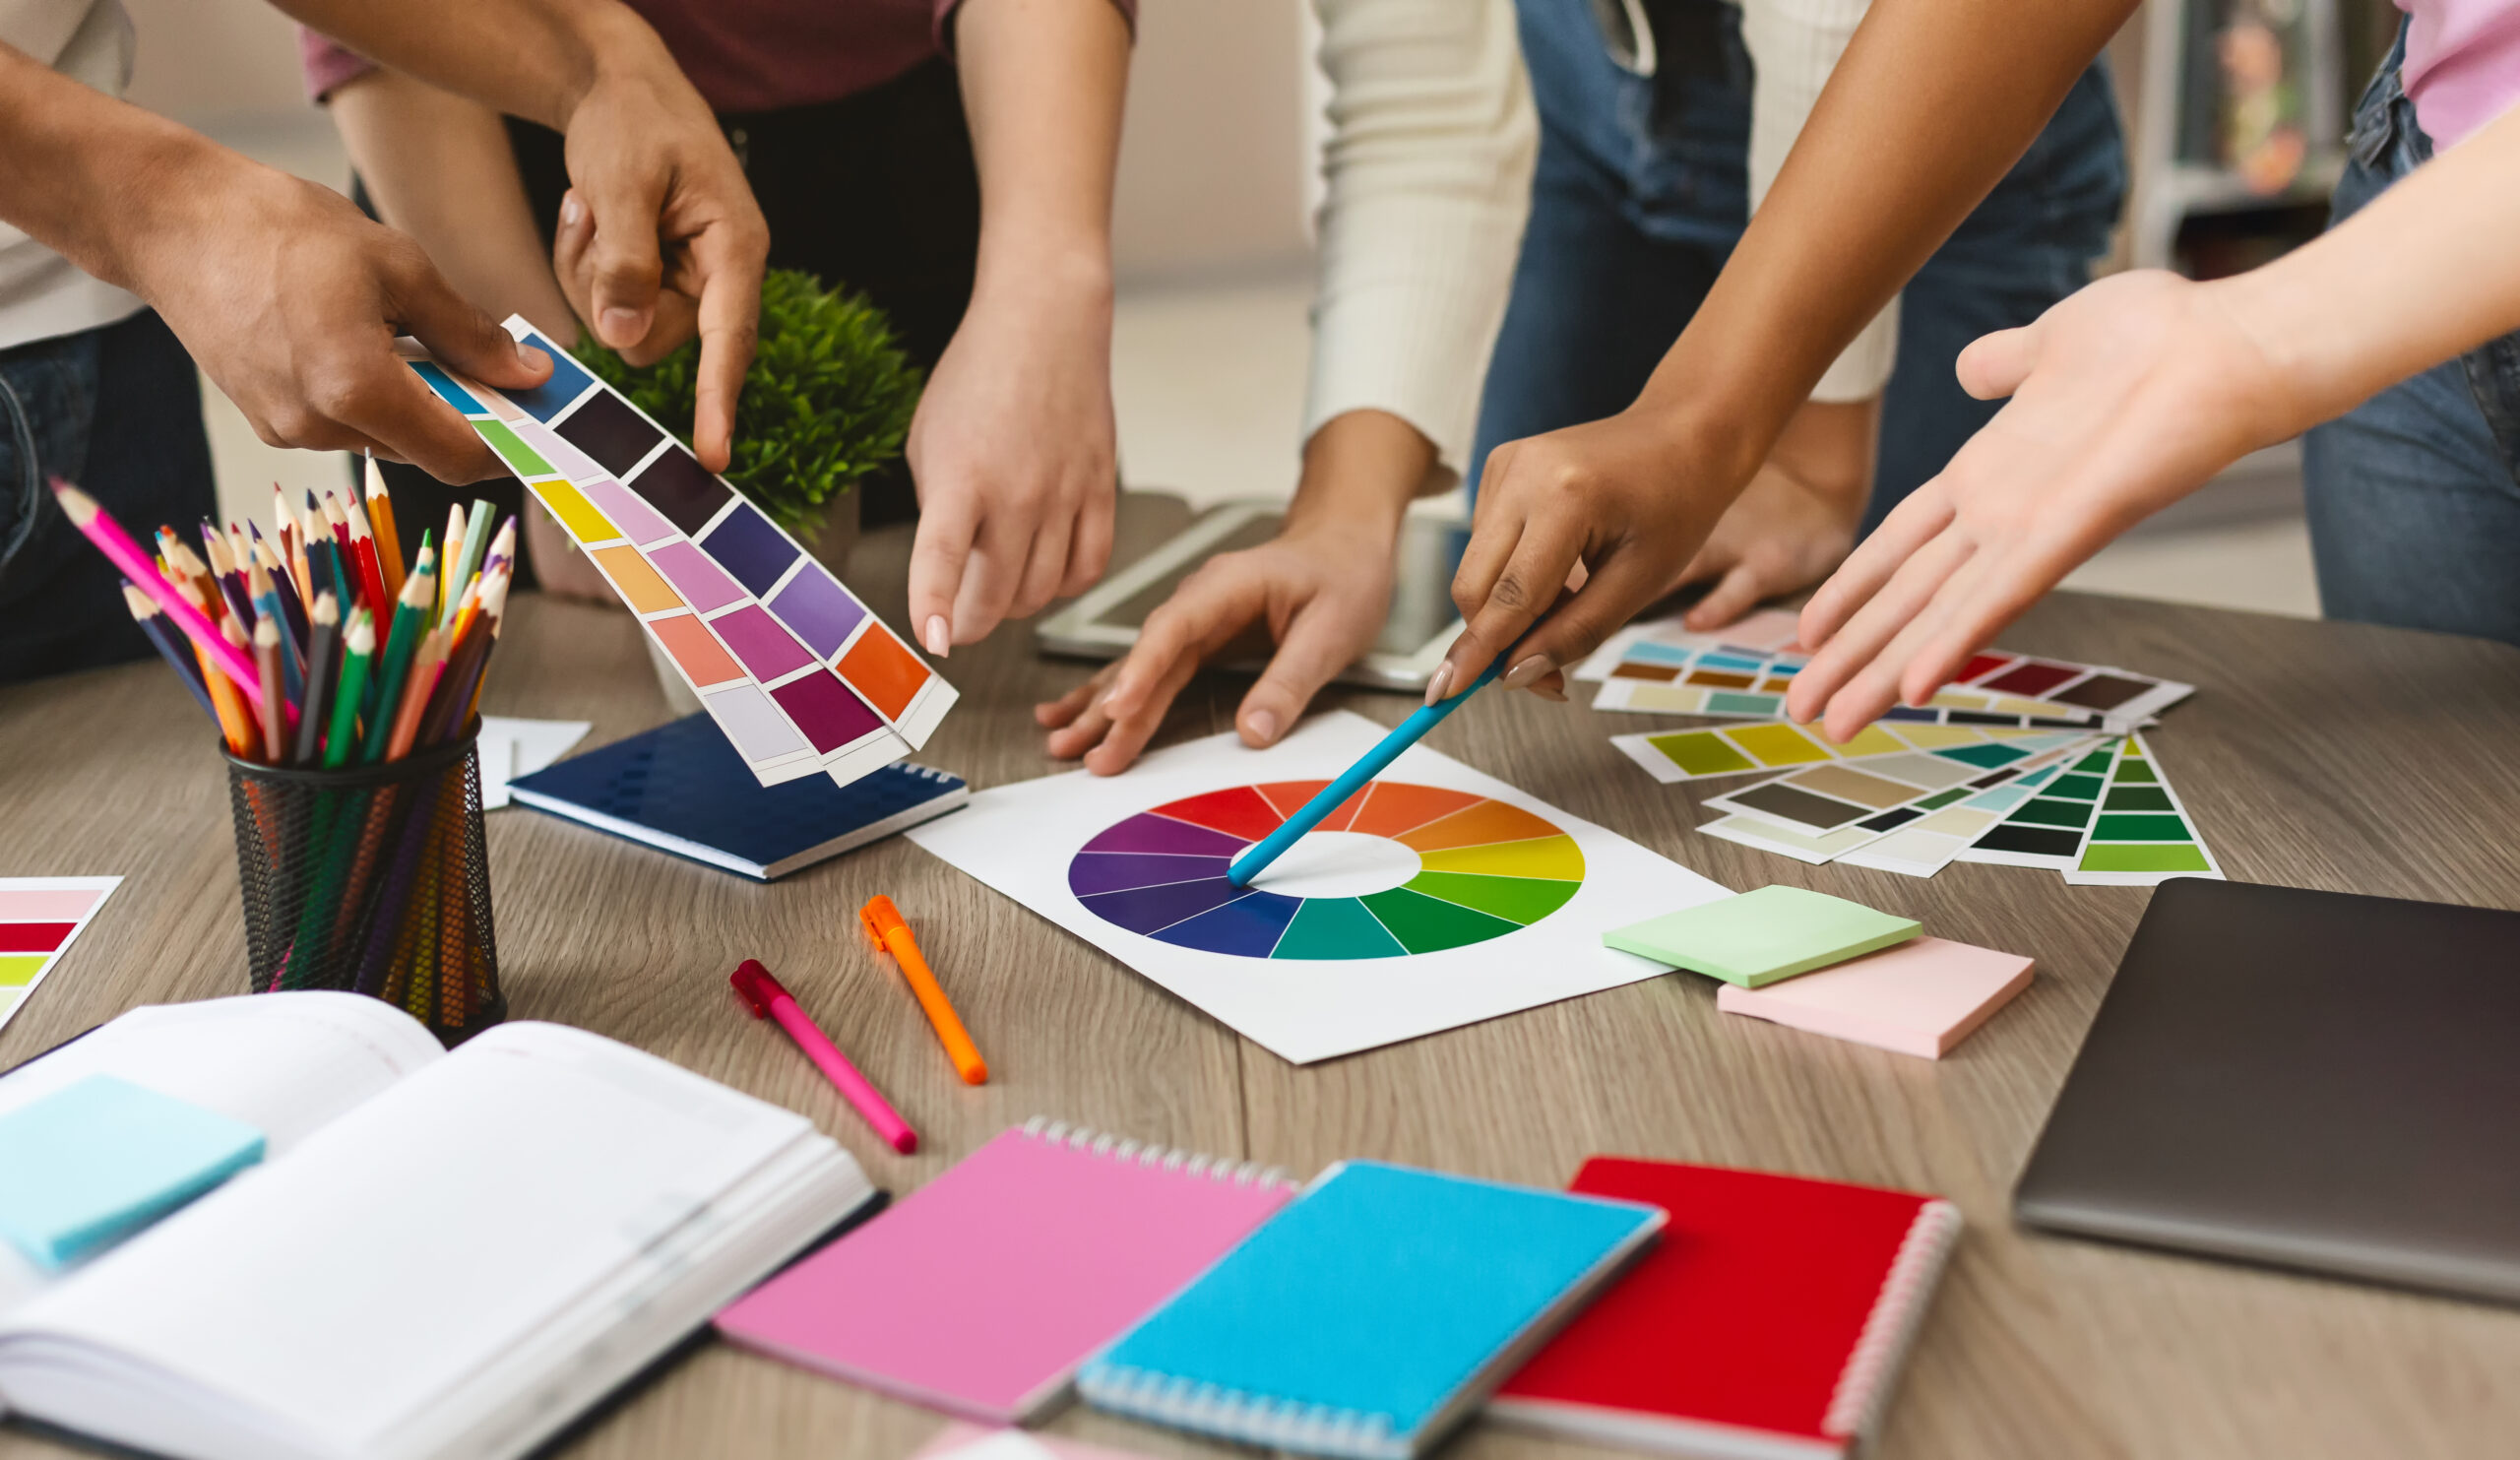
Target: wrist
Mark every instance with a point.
(2276, 369)
(1067, 273)
(612, 46)
(1361, 469)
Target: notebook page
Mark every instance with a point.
(351, 1284)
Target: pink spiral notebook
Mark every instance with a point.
(981, 1292)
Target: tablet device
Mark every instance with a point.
(1421, 624)
(2305, 1079)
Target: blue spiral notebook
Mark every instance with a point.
(1372, 1315)
(680, 788)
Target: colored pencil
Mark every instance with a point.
(450, 552)
(359, 651)
(476, 541)
(336, 522)
(371, 572)
(266, 597)
(99, 527)
(428, 661)
(267, 662)
(389, 535)
(292, 605)
(222, 571)
(153, 622)
(402, 645)
(323, 663)
(249, 691)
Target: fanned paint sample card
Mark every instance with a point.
(790, 664)
(1670, 756)
(1660, 667)
(1436, 897)
(39, 918)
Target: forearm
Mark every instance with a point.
(527, 58)
(1360, 471)
(440, 168)
(1042, 82)
(2424, 273)
(1877, 180)
(97, 179)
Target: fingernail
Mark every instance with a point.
(533, 359)
(938, 636)
(1263, 726)
(623, 325)
(1442, 681)
(571, 210)
(1526, 673)
(1551, 693)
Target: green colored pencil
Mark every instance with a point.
(359, 646)
(410, 625)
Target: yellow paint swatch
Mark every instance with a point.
(1553, 858)
(1777, 744)
(575, 512)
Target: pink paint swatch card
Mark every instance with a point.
(39, 918)
(981, 1292)
(1922, 997)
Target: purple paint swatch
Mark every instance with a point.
(1246, 928)
(819, 609)
(824, 709)
(1147, 909)
(1148, 832)
(629, 512)
(1095, 872)
(766, 649)
(607, 429)
(677, 484)
(754, 724)
(748, 546)
(702, 584)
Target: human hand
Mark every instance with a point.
(1574, 531)
(1014, 451)
(291, 298)
(2125, 396)
(1796, 520)
(1323, 590)
(659, 235)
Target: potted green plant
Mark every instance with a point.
(828, 400)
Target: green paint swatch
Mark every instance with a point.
(2176, 857)
(1762, 936)
(1984, 757)
(2137, 798)
(2045, 813)
(2076, 788)
(1724, 702)
(1701, 753)
(1335, 927)
(521, 458)
(1523, 900)
(1427, 924)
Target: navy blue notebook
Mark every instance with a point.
(680, 788)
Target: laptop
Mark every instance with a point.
(2308, 1080)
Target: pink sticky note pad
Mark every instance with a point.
(960, 1441)
(1921, 998)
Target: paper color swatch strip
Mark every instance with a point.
(2047, 830)
(1823, 812)
(795, 671)
(39, 919)
(1673, 756)
(2141, 834)
(1923, 848)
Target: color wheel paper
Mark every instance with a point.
(1436, 897)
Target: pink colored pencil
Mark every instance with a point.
(100, 529)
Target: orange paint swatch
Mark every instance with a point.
(1391, 808)
(696, 649)
(639, 585)
(1489, 821)
(880, 668)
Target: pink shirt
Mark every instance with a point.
(753, 55)
(2462, 64)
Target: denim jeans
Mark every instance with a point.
(2414, 495)
(1642, 189)
(116, 410)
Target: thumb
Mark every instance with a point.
(1314, 651)
(1995, 365)
(623, 257)
(460, 334)
(1736, 594)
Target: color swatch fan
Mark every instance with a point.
(795, 670)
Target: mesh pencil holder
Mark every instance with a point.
(373, 879)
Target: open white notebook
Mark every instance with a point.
(441, 1255)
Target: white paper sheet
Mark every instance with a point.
(512, 747)
(1021, 838)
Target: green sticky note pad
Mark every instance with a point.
(96, 1161)
(1759, 938)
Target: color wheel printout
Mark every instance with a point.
(1436, 897)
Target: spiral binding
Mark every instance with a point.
(1863, 1387)
(1147, 1153)
(1256, 1419)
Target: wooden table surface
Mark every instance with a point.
(2319, 756)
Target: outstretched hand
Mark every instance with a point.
(2125, 397)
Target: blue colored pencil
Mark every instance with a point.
(1333, 796)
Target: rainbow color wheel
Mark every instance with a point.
(1485, 869)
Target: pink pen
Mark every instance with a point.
(761, 994)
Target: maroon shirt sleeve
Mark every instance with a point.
(328, 64)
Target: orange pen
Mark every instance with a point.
(884, 924)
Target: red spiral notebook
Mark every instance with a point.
(1770, 1324)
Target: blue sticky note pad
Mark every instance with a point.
(96, 1161)
(1371, 1314)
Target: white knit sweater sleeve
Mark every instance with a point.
(1428, 171)
(1793, 45)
